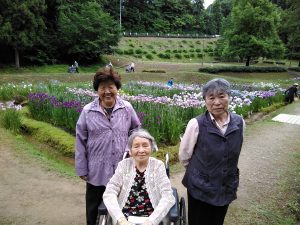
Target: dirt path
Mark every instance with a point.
(29, 194)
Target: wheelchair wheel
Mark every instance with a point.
(182, 211)
(104, 220)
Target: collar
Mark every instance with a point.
(95, 105)
(214, 120)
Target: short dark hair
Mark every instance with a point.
(106, 74)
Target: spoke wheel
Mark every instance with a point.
(182, 211)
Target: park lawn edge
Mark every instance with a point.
(57, 138)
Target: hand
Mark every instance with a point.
(83, 177)
(147, 222)
(123, 221)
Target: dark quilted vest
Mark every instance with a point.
(212, 175)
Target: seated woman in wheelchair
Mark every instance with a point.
(140, 187)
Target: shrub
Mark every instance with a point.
(128, 52)
(198, 50)
(192, 55)
(242, 69)
(294, 69)
(192, 50)
(199, 55)
(119, 51)
(175, 51)
(131, 45)
(272, 108)
(168, 51)
(11, 120)
(178, 56)
(268, 62)
(149, 56)
(164, 56)
(54, 137)
(186, 56)
(280, 63)
(138, 51)
(154, 52)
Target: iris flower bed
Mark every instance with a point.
(163, 111)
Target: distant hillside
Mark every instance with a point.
(166, 49)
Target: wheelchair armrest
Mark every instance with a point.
(102, 210)
(174, 213)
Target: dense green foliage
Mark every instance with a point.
(53, 31)
(291, 26)
(21, 24)
(88, 33)
(76, 30)
(252, 31)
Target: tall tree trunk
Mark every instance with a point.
(248, 61)
(299, 63)
(17, 58)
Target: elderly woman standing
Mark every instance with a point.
(102, 132)
(210, 150)
(140, 186)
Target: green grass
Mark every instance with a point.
(29, 149)
(46, 69)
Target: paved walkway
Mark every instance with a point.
(287, 118)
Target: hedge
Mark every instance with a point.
(242, 69)
(57, 138)
(297, 69)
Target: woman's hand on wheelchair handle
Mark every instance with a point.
(147, 222)
(123, 221)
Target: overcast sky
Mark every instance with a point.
(207, 3)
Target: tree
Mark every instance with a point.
(252, 30)
(21, 24)
(292, 27)
(86, 32)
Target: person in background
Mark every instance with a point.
(290, 93)
(210, 150)
(140, 191)
(76, 66)
(102, 132)
(110, 65)
(132, 67)
(170, 83)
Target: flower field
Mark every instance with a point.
(163, 111)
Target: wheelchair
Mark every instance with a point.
(176, 215)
